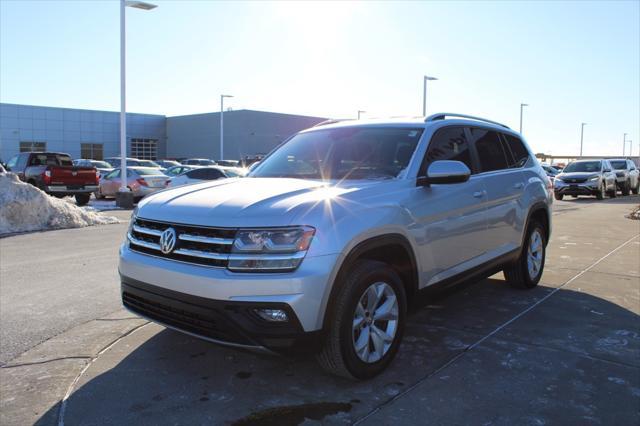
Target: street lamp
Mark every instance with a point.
(521, 108)
(222, 124)
(126, 200)
(424, 94)
(359, 112)
(581, 137)
(624, 143)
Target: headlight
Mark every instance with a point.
(594, 178)
(270, 249)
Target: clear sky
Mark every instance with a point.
(572, 61)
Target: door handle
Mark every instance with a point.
(478, 194)
(519, 185)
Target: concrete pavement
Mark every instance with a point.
(565, 352)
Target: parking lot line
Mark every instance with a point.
(495, 331)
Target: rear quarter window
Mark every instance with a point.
(519, 153)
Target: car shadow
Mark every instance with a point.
(158, 376)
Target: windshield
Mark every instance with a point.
(100, 164)
(148, 163)
(619, 165)
(343, 153)
(583, 166)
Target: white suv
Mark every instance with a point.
(329, 239)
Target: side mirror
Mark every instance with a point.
(445, 171)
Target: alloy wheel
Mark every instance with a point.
(375, 322)
(535, 253)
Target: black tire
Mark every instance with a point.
(338, 355)
(626, 188)
(517, 274)
(82, 199)
(558, 197)
(637, 188)
(601, 192)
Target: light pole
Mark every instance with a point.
(360, 112)
(123, 110)
(624, 143)
(581, 137)
(222, 124)
(424, 94)
(521, 108)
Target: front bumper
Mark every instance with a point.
(586, 188)
(227, 323)
(301, 293)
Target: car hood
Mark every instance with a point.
(576, 175)
(241, 202)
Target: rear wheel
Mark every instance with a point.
(527, 270)
(367, 324)
(82, 199)
(626, 188)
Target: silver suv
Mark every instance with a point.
(335, 233)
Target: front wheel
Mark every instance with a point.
(367, 322)
(527, 270)
(82, 199)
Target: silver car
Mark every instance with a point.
(334, 234)
(627, 177)
(141, 181)
(586, 177)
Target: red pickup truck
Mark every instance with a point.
(55, 174)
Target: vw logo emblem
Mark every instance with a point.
(168, 240)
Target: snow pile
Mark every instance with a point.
(24, 207)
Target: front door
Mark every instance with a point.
(450, 218)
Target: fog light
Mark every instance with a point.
(272, 315)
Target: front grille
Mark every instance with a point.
(574, 180)
(194, 244)
(201, 321)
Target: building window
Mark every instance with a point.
(91, 151)
(144, 149)
(33, 146)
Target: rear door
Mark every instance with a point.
(504, 182)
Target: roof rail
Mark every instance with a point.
(443, 115)
(330, 121)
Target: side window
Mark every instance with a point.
(113, 174)
(214, 174)
(197, 174)
(22, 162)
(490, 150)
(518, 151)
(449, 143)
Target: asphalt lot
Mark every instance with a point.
(53, 281)
(566, 352)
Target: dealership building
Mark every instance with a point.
(96, 134)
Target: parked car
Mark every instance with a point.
(101, 166)
(199, 162)
(167, 164)
(326, 243)
(140, 180)
(197, 175)
(55, 174)
(586, 177)
(627, 173)
(115, 162)
(178, 170)
(228, 163)
(551, 171)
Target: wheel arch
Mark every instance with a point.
(539, 211)
(393, 249)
